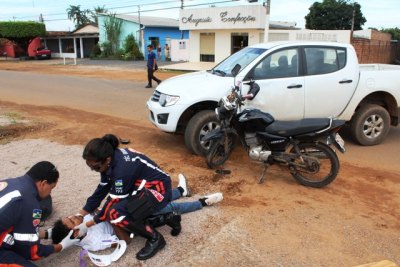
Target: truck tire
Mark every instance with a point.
(370, 125)
(199, 125)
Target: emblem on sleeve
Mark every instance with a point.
(37, 214)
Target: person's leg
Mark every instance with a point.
(10, 258)
(155, 78)
(181, 207)
(176, 194)
(190, 206)
(155, 241)
(149, 77)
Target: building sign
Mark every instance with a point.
(237, 17)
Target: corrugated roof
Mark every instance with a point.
(151, 21)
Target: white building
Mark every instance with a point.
(217, 32)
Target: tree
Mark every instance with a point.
(98, 10)
(112, 26)
(334, 15)
(395, 32)
(78, 16)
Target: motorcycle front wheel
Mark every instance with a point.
(219, 151)
(317, 166)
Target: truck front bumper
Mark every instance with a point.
(164, 118)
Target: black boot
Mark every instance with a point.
(156, 220)
(174, 221)
(153, 245)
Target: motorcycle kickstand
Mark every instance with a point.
(262, 177)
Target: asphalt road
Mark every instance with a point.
(127, 100)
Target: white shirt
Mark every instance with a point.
(100, 236)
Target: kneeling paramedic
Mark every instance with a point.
(20, 216)
(124, 171)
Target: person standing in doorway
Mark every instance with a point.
(166, 52)
(159, 52)
(151, 67)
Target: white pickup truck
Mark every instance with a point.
(297, 80)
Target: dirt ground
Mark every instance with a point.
(353, 221)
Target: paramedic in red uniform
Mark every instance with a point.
(20, 216)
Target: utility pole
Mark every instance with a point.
(41, 18)
(182, 9)
(267, 4)
(140, 31)
(352, 23)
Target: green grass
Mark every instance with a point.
(13, 117)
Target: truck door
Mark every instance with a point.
(281, 86)
(330, 81)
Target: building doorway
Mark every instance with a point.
(238, 41)
(207, 47)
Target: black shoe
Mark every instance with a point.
(149, 86)
(152, 247)
(174, 221)
(156, 220)
(159, 81)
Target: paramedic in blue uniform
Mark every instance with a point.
(20, 216)
(122, 171)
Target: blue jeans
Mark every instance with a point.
(180, 207)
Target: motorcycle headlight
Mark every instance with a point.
(168, 100)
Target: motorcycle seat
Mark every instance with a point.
(292, 128)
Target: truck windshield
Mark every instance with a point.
(243, 57)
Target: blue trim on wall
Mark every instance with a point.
(162, 33)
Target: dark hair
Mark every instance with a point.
(150, 46)
(44, 170)
(59, 232)
(99, 149)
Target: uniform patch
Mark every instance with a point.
(157, 195)
(118, 183)
(36, 222)
(37, 213)
(3, 185)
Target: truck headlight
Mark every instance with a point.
(168, 100)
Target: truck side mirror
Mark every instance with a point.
(236, 70)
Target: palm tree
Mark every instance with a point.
(78, 16)
(98, 10)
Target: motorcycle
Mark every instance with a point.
(297, 144)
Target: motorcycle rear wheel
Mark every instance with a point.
(322, 165)
(218, 154)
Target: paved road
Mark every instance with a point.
(127, 99)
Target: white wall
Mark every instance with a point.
(223, 39)
(180, 50)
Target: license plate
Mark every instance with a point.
(340, 142)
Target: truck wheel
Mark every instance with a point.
(198, 126)
(370, 125)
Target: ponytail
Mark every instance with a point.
(99, 149)
(112, 140)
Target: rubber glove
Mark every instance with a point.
(68, 242)
(82, 229)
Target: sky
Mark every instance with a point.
(379, 13)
